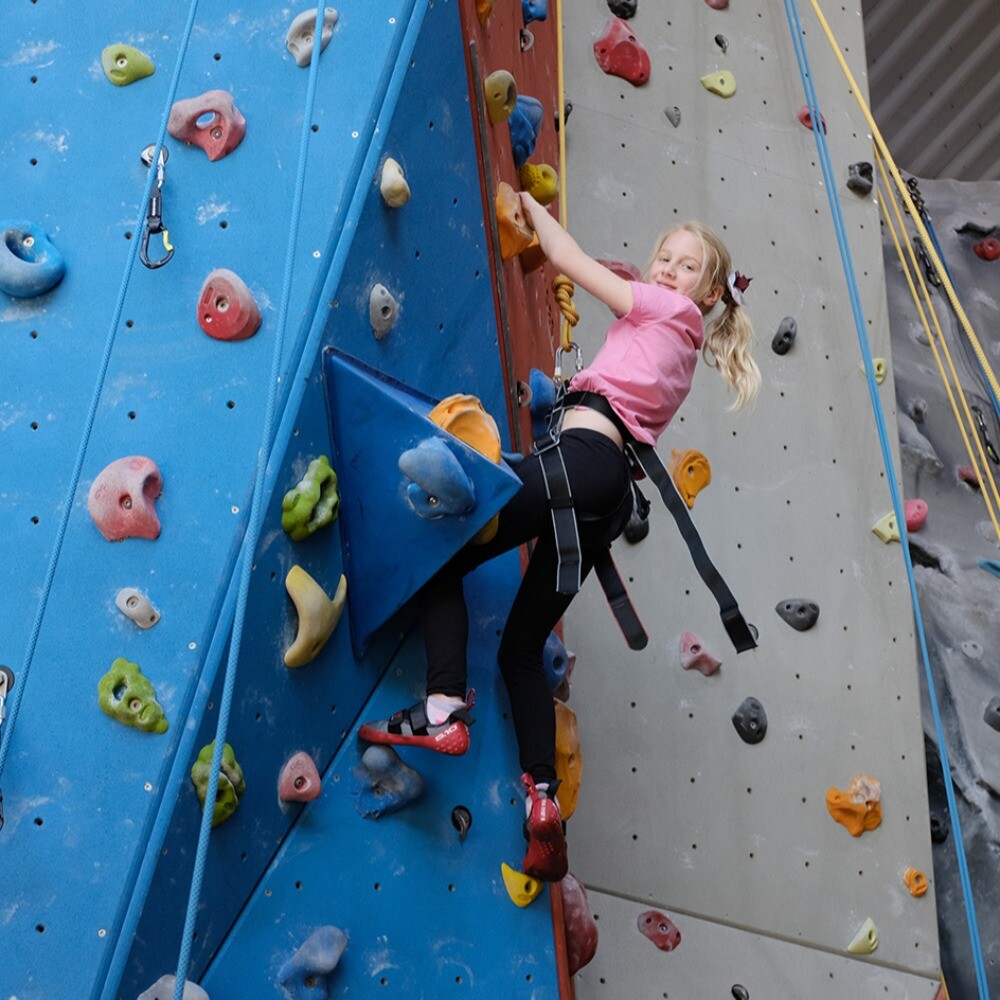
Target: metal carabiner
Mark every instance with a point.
(154, 223)
(574, 348)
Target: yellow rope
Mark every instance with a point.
(559, 285)
(908, 201)
(983, 472)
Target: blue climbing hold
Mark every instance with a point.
(534, 10)
(554, 660)
(543, 398)
(383, 784)
(440, 485)
(306, 975)
(524, 124)
(29, 263)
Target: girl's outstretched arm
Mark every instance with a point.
(566, 256)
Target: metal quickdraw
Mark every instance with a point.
(929, 270)
(154, 223)
(984, 436)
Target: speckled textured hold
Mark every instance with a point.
(619, 53)
(122, 499)
(660, 929)
(218, 136)
(578, 923)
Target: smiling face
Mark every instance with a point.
(679, 265)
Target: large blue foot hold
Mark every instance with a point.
(29, 263)
(306, 975)
(383, 784)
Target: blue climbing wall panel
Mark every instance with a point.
(103, 819)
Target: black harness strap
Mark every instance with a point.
(649, 461)
(618, 599)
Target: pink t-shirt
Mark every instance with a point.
(646, 364)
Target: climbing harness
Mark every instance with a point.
(565, 527)
(830, 183)
(154, 223)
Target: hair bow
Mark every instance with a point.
(738, 284)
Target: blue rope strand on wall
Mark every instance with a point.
(88, 426)
(801, 55)
(253, 528)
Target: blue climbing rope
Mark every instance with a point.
(253, 528)
(802, 57)
(88, 426)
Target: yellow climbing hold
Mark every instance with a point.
(318, 615)
(886, 528)
(500, 94)
(866, 940)
(522, 889)
(691, 473)
(540, 181)
(880, 367)
(722, 83)
(569, 762)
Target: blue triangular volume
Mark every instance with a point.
(389, 550)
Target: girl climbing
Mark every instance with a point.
(644, 371)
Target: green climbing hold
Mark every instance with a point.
(313, 503)
(231, 783)
(124, 65)
(125, 695)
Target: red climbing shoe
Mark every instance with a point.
(545, 858)
(412, 728)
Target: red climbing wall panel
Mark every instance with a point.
(532, 317)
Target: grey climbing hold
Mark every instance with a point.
(799, 612)
(722, 42)
(750, 721)
(992, 714)
(383, 311)
(623, 8)
(917, 409)
(973, 650)
(163, 989)
(461, 820)
(299, 39)
(306, 975)
(860, 177)
(383, 784)
(527, 39)
(673, 115)
(740, 992)
(784, 339)
(135, 605)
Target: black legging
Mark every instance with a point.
(599, 480)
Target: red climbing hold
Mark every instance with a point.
(226, 309)
(806, 118)
(717, 4)
(623, 268)
(915, 512)
(122, 499)
(660, 929)
(300, 780)
(968, 475)
(220, 134)
(988, 249)
(619, 53)
(578, 923)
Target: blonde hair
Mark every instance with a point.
(729, 337)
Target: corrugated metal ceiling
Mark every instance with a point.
(935, 86)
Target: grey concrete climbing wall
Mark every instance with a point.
(957, 596)
(734, 841)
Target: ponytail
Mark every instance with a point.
(727, 347)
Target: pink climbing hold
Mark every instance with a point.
(226, 308)
(717, 4)
(619, 53)
(300, 780)
(623, 268)
(660, 929)
(806, 118)
(915, 512)
(220, 134)
(122, 499)
(578, 923)
(988, 249)
(694, 656)
(967, 474)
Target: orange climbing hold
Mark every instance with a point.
(569, 762)
(859, 808)
(484, 8)
(916, 881)
(691, 473)
(515, 232)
